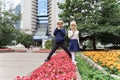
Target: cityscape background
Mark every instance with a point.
(38, 17)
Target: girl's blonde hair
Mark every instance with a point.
(73, 22)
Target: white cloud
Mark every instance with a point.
(16, 2)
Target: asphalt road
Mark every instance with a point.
(13, 64)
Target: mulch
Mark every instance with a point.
(45, 51)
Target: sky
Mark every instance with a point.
(16, 2)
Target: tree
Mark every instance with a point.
(110, 22)
(7, 29)
(25, 39)
(94, 17)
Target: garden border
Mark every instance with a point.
(95, 65)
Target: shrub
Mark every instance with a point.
(48, 44)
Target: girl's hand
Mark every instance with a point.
(73, 31)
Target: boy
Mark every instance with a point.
(59, 34)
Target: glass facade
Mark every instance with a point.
(42, 27)
(17, 11)
(42, 11)
(42, 7)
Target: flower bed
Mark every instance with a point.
(59, 67)
(6, 50)
(89, 73)
(109, 60)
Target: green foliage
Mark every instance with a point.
(9, 33)
(48, 44)
(7, 30)
(6, 35)
(94, 18)
(25, 39)
(89, 73)
(112, 71)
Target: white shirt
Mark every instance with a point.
(75, 36)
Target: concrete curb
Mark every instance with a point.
(78, 75)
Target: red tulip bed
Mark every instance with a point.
(6, 50)
(60, 67)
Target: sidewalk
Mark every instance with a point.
(14, 64)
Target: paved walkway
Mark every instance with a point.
(13, 64)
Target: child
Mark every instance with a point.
(59, 34)
(73, 35)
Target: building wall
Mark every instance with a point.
(28, 16)
(53, 12)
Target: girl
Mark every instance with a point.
(73, 35)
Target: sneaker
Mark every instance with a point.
(46, 60)
(75, 62)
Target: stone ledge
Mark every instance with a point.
(78, 75)
(95, 65)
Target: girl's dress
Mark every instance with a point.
(74, 41)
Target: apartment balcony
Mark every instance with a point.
(49, 7)
(35, 1)
(49, 10)
(34, 11)
(35, 5)
(34, 26)
(34, 8)
(34, 18)
(34, 14)
(49, 3)
(34, 22)
(49, 13)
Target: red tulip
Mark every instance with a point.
(60, 67)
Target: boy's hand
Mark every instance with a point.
(58, 27)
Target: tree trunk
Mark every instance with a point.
(94, 43)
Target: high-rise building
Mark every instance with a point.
(29, 11)
(42, 26)
(17, 11)
(41, 33)
(48, 16)
(53, 12)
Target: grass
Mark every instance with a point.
(89, 73)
